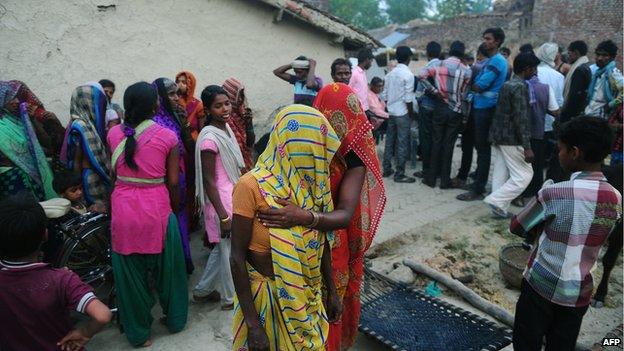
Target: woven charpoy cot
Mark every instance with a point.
(406, 319)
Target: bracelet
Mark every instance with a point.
(315, 219)
(225, 220)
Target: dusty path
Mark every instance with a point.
(419, 223)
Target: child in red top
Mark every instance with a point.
(36, 299)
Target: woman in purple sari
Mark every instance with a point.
(168, 116)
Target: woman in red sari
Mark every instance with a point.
(354, 234)
(241, 120)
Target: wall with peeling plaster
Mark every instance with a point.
(57, 45)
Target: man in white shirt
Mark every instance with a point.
(547, 74)
(399, 93)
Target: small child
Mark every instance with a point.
(37, 299)
(573, 220)
(69, 186)
(112, 118)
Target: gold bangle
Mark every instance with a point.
(225, 220)
(315, 219)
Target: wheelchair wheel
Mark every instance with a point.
(87, 252)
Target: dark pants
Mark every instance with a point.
(445, 127)
(467, 146)
(380, 132)
(554, 171)
(397, 133)
(539, 150)
(425, 117)
(537, 318)
(482, 123)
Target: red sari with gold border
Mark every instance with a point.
(342, 109)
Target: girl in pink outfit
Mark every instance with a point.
(218, 164)
(144, 228)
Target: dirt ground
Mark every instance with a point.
(419, 223)
(467, 244)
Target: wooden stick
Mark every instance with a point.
(469, 295)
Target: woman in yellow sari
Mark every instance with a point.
(280, 274)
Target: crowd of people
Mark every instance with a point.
(288, 225)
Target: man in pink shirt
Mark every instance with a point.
(359, 81)
(379, 115)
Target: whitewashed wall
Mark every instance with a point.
(57, 45)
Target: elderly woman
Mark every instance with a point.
(23, 165)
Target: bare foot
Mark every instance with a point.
(148, 343)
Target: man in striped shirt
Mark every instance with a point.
(573, 219)
(451, 79)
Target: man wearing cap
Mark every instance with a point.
(306, 84)
(359, 81)
(547, 74)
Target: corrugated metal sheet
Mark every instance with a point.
(393, 39)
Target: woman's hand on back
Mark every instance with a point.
(290, 215)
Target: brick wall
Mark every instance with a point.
(466, 28)
(565, 21)
(531, 21)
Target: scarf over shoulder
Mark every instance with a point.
(19, 143)
(295, 167)
(87, 130)
(239, 120)
(230, 157)
(341, 106)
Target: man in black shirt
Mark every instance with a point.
(576, 82)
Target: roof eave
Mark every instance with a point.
(324, 21)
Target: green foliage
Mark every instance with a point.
(452, 8)
(402, 11)
(367, 14)
(362, 13)
(480, 6)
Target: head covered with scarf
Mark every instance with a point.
(191, 85)
(8, 91)
(24, 94)
(239, 120)
(166, 114)
(20, 145)
(547, 53)
(343, 110)
(52, 129)
(87, 129)
(193, 106)
(295, 166)
(340, 105)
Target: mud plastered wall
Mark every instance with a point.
(57, 45)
